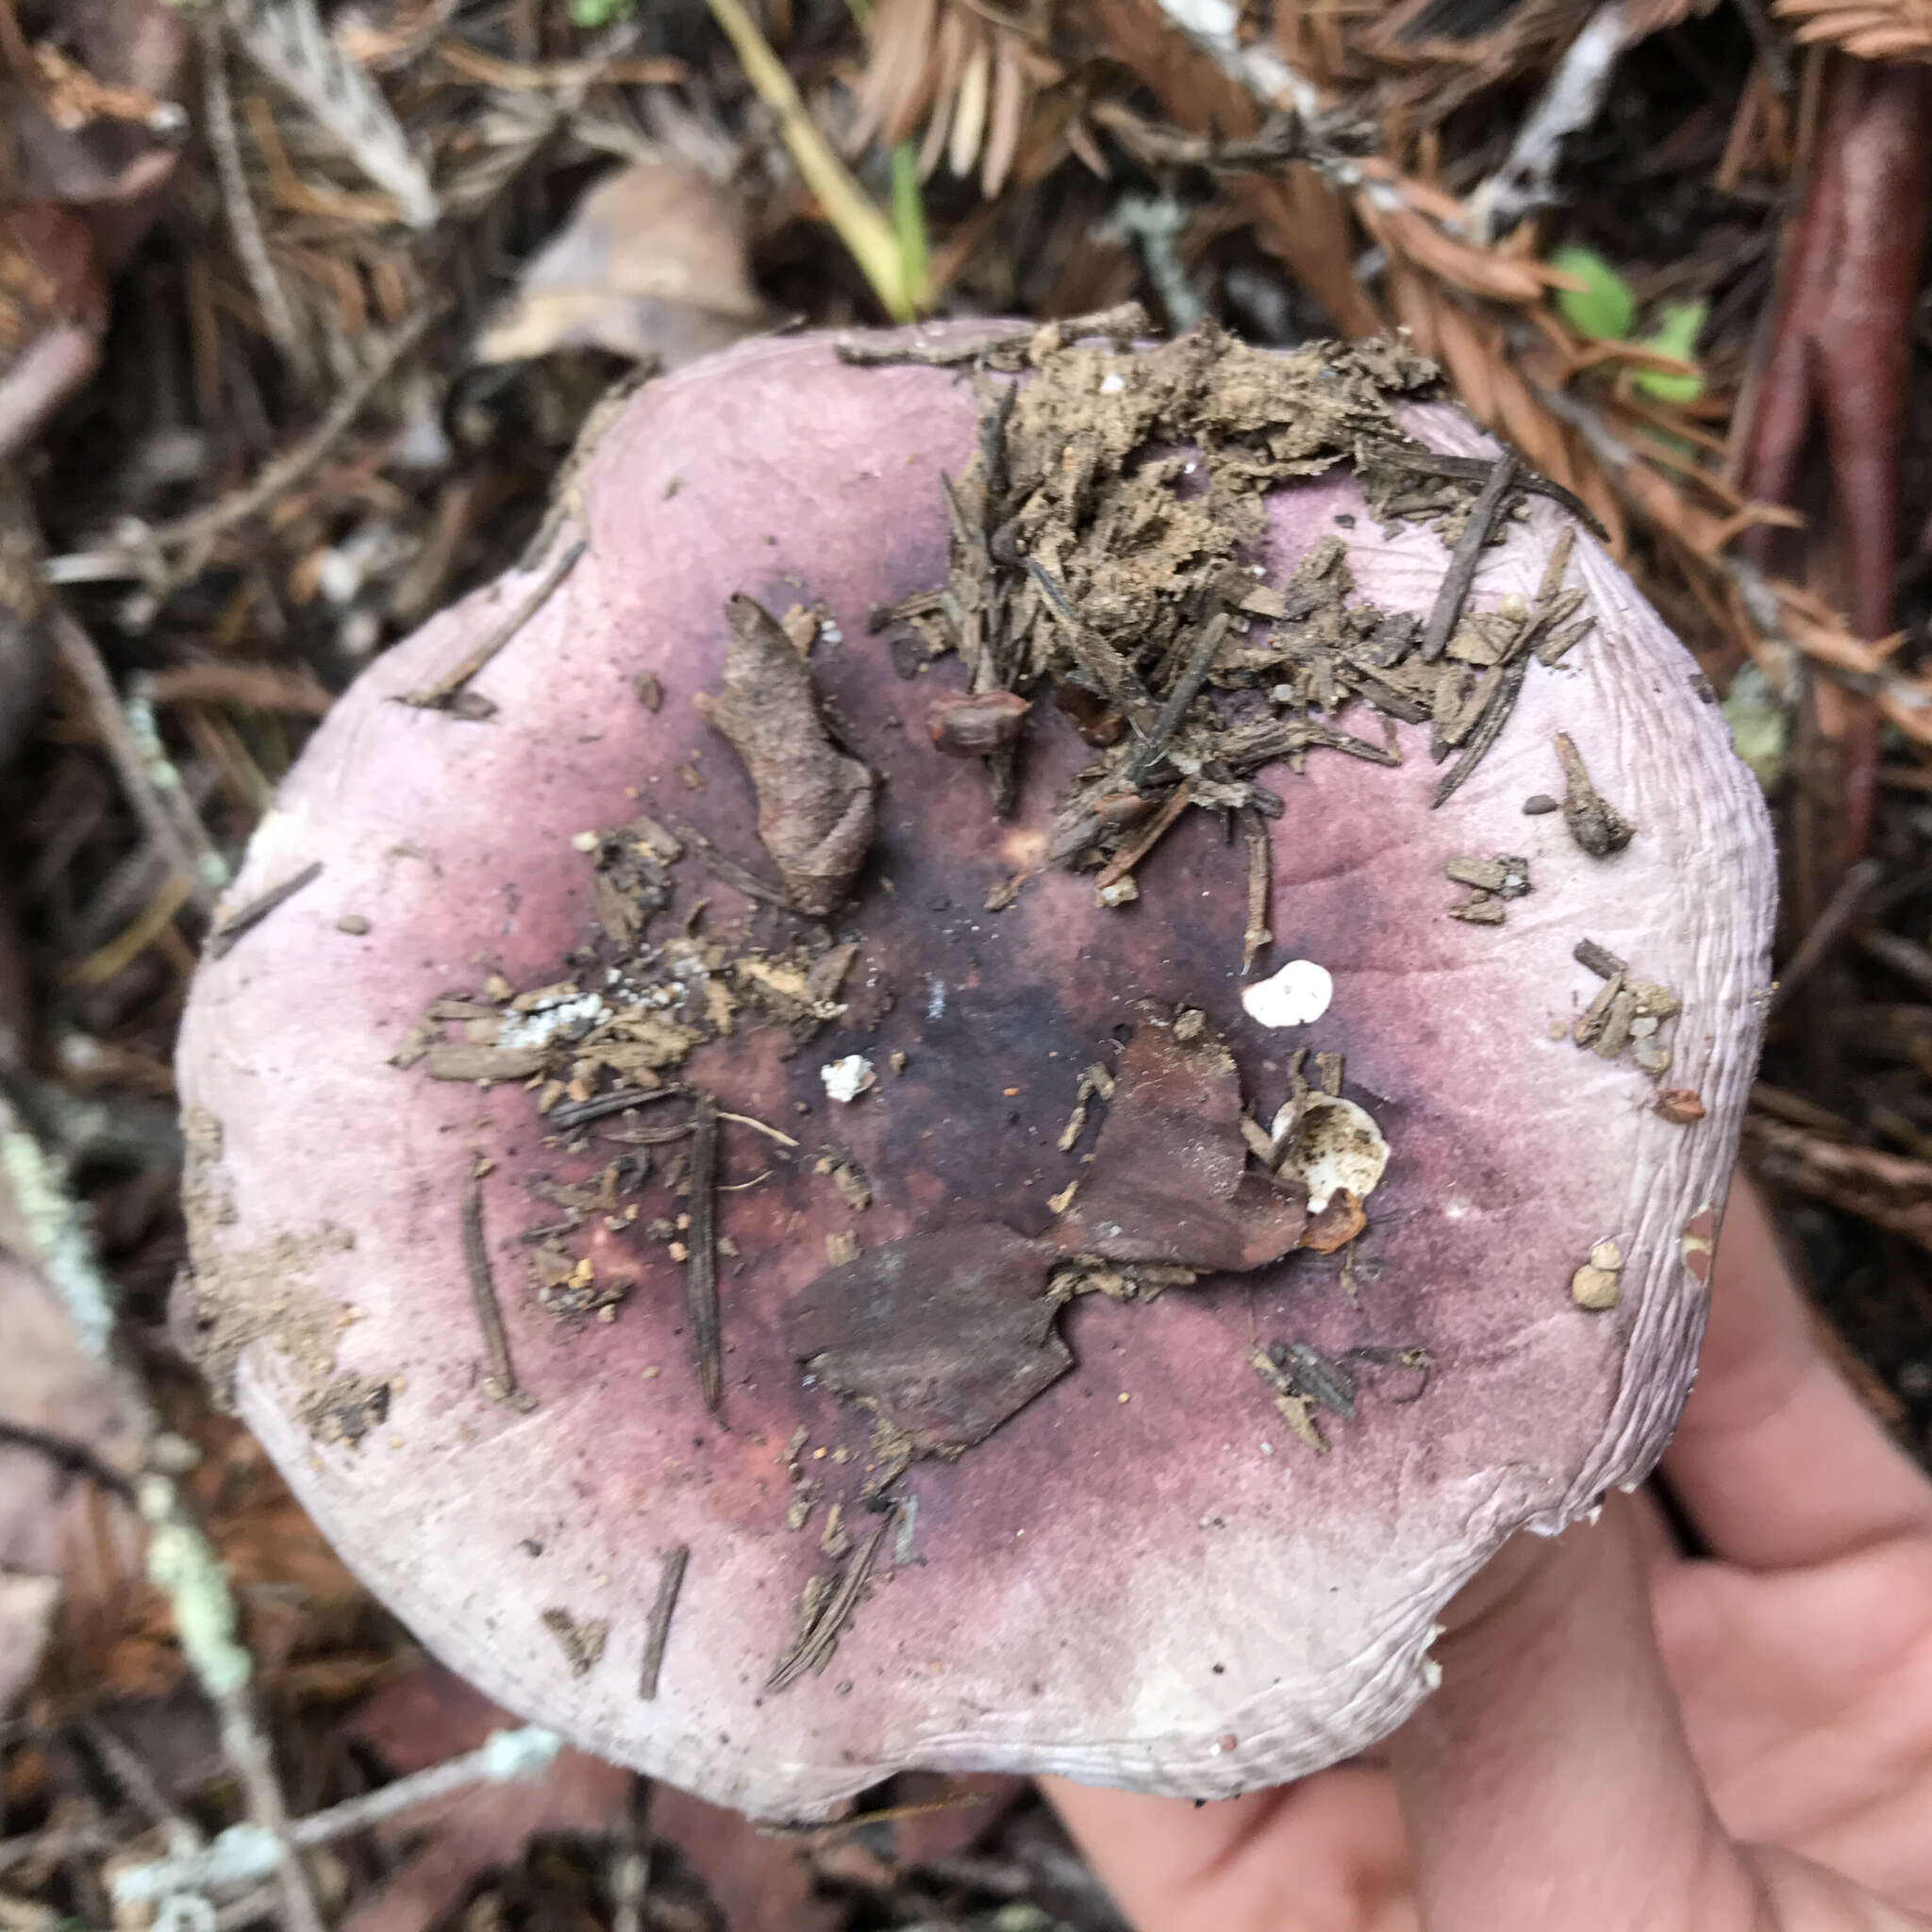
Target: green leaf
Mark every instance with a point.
(1602, 308)
(592, 14)
(1679, 325)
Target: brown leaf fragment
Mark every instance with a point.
(1480, 909)
(1170, 1181)
(582, 1639)
(1594, 823)
(815, 802)
(1297, 1410)
(974, 724)
(484, 1062)
(942, 1335)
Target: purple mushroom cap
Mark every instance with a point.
(1144, 1577)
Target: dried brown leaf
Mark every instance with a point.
(653, 264)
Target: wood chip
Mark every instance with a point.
(485, 1062)
(658, 1632)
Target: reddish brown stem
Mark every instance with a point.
(1841, 342)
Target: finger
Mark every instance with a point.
(1326, 1855)
(1547, 1782)
(1775, 1460)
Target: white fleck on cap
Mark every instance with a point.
(1295, 996)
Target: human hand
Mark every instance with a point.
(1625, 1737)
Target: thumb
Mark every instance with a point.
(1548, 1782)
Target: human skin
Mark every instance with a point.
(1626, 1736)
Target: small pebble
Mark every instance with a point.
(352, 923)
(584, 841)
(1538, 803)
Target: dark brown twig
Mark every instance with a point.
(502, 1382)
(448, 694)
(1488, 727)
(176, 832)
(222, 941)
(284, 472)
(1260, 870)
(1173, 708)
(701, 1267)
(658, 1632)
(1841, 911)
(1453, 591)
(578, 1113)
(1123, 862)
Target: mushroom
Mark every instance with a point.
(755, 1423)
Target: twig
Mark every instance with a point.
(447, 694)
(578, 1113)
(747, 1119)
(70, 1458)
(701, 1268)
(202, 526)
(180, 1559)
(1488, 729)
(864, 229)
(240, 1855)
(1453, 591)
(1569, 102)
(1100, 661)
(502, 1382)
(243, 222)
(222, 941)
(658, 1632)
(1124, 323)
(142, 778)
(1260, 872)
(816, 1643)
(1282, 138)
(1840, 914)
(886, 1814)
(1123, 863)
(287, 40)
(739, 878)
(630, 1864)
(1173, 708)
